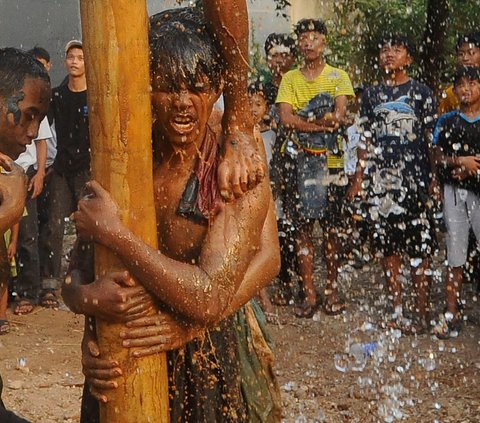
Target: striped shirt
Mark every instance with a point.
(297, 91)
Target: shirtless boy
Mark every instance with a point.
(24, 99)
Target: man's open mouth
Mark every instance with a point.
(183, 123)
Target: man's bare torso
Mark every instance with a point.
(178, 238)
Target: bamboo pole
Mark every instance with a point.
(117, 62)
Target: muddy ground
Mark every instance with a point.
(410, 379)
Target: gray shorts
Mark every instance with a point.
(461, 210)
(312, 187)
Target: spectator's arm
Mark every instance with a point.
(290, 120)
(36, 183)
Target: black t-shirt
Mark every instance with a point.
(69, 111)
(396, 120)
(457, 135)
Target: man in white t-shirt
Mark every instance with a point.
(29, 283)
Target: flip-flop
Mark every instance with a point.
(305, 311)
(49, 300)
(4, 327)
(335, 308)
(280, 298)
(407, 326)
(23, 306)
(448, 326)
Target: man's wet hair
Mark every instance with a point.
(283, 40)
(471, 38)
(308, 25)
(397, 40)
(15, 66)
(182, 50)
(470, 72)
(40, 53)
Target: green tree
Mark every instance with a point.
(433, 25)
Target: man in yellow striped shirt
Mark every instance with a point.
(297, 89)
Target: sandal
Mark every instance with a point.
(281, 298)
(23, 306)
(408, 326)
(305, 310)
(448, 325)
(49, 300)
(4, 327)
(334, 308)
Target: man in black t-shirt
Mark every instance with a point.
(71, 168)
(398, 116)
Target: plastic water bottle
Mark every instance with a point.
(360, 352)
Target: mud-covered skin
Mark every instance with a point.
(13, 192)
(13, 107)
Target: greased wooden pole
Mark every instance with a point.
(115, 41)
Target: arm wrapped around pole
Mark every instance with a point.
(115, 43)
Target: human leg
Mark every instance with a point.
(454, 282)
(422, 281)
(333, 304)
(288, 263)
(4, 274)
(42, 212)
(59, 206)
(392, 266)
(458, 225)
(4, 325)
(29, 283)
(305, 257)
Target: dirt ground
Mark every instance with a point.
(410, 379)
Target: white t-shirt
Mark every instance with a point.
(51, 147)
(29, 156)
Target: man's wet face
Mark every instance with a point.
(394, 57)
(312, 44)
(181, 116)
(468, 55)
(279, 60)
(21, 114)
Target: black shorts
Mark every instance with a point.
(411, 233)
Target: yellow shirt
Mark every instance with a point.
(449, 101)
(297, 91)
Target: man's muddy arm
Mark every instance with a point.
(199, 292)
(164, 332)
(240, 168)
(263, 268)
(228, 20)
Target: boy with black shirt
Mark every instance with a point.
(457, 138)
(397, 118)
(71, 168)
